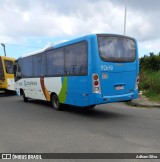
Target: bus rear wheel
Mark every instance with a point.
(91, 106)
(55, 102)
(25, 99)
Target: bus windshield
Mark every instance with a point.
(8, 66)
(117, 49)
(1, 70)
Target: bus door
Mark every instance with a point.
(118, 70)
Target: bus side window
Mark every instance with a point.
(55, 62)
(70, 59)
(81, 58)
(76, 59)
(37, 65)
(43, 65)
(26, 65)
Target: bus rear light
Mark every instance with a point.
(96, 84)
(96, 89)
(138, 80)
(95, 77)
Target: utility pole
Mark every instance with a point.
(125, 12)
(3, 45)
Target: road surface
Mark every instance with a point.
(34, 127)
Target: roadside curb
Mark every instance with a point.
(143, 101)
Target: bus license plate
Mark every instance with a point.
(119, 87)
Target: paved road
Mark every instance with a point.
(36, 127)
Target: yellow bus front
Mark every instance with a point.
(6, 73)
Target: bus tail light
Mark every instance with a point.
(137, 82)
(96, 83)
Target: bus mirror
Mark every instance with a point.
(18, 75)
(19, 69)
(14, 69)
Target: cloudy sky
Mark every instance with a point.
(28, 25)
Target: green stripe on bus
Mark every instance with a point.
(63, 93)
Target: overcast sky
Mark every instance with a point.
(27, 25)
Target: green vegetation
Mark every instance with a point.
(150, 76)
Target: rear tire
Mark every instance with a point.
(91, 106)
(25, 99)
(55, 102)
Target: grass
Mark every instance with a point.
(150, 84)
(152, 96)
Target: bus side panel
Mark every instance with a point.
(70, 90)
(79, 87)
(39, 88)
(77, 91)
(31, 87)
(92, 64)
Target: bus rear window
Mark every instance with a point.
(116, 49)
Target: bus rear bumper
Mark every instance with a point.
(100, 99)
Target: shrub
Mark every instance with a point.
(150, 74)
(150, 81)
(150, 63)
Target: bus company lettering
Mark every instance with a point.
(30, 83)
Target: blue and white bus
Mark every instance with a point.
(87, 71)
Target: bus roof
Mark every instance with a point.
(7, 58)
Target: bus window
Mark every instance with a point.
(43, 65)
(70, 60)
(117, 49)
(76, 59)
(55, 62)
(81, 58)
(9, 66)
(37, 65)
(26, 65)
